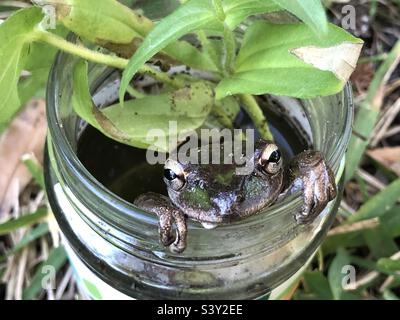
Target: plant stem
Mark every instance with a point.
(82, 52)
(219, 10)
(102, 58)
(221, 116)
(209, 49)
(254, 111)
(162, 77)
(230, 50)
(135, 93)
(229, 39)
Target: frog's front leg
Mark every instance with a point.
(167, 214)
(309, 173)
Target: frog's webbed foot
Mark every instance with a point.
(168, 215)
(309, 173)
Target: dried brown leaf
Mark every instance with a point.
(26, 134)
(388, 157)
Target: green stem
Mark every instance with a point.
(221, 116)
(82, 52)
(254, 111)
(209, 49)
(230, 50)
(102, 58)
(229, 39)
(162, 77)
(135, 93)
(219, 10)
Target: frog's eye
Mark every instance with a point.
(174, 175)
(271, 160)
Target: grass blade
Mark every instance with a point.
(41, 230)
(379, 204)
(23, 221)
(57, 258)
(34, 168)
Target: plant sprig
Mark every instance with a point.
(271, 59)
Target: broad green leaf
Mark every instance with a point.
(336, 276)
(318, 284)
(16, 33)
(192, 16)
(144, 122)
(379, 204)
(101, 21)
(290, 60)
(237, 11)
(23, 221)
(311, 12)
(56, 259)
(39, 231)
(116, 27)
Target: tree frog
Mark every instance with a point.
(215, 194)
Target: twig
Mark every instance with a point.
(391, 132)
(384, 123)
(62, 286)
(353, 227)
(102, 58)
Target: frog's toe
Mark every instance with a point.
(316, 199)
(166, 239)
(177, 247)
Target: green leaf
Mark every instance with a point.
(336, 275)
(379, 204)
(389, 295)
(38, 64)
(112, 25)
(237, 11)
(311, 12)
(389, 264)
(92, 289)
(192, 16)
(134, 123)
(318, 284)
(16, 33)
(56, 259)
(101, 21)
(41, 230)
(24, 221)
(389, 220)
(380, 242)
(289, 60)
(35, 169)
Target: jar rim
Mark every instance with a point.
(123, 212)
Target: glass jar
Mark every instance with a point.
(114, 247)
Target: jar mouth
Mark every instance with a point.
(125, 215)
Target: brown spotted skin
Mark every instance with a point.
(309, 173)
(215, 194)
